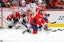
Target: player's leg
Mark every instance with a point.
(40, 28)
(15, 21)
(34, 28)
(27, 30)
(27, 26)
(24, 23)
(46, 24)
(10, 25)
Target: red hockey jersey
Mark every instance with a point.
(18, 15)
(11, 16)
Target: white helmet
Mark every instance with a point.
(23, 1)
(40, 1)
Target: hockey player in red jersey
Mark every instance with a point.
(36, 22)
(14, 17)
(41, 8)
(37, 19)
(45, 16)
(33, 24)
(10, 17)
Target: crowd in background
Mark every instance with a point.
(50, 4)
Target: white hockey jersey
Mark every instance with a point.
(24, 10)
(33, 8)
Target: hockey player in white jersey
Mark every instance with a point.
(24, 20)
(24, 10)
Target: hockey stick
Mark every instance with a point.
(60, 29)
(27, 30)
(52, 22)
(53, 30)
(5, 21)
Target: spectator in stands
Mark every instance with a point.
(36, 2)
(15, 3)
(51, 4)
(60, 4)
(2, 3)
(7, 3)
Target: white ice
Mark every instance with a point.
(12, 35)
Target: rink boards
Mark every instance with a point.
(55, 16)
(58, 17)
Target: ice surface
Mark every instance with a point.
(9, 35)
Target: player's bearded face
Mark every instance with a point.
(39, 3)
(23, 4)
